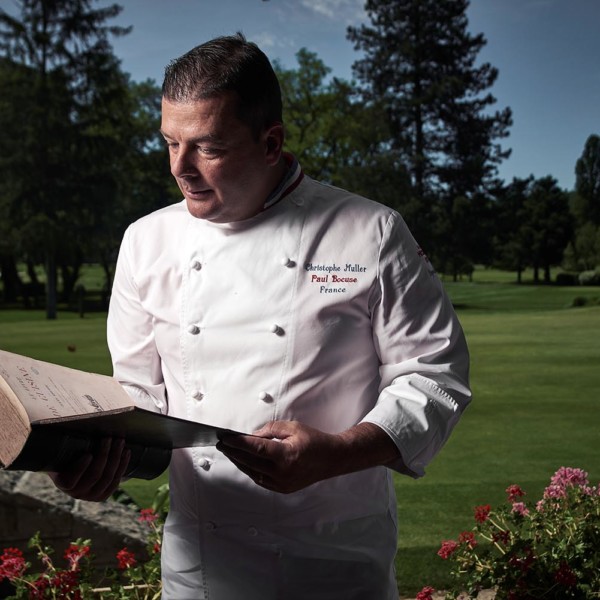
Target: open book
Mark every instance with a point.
(50, 415)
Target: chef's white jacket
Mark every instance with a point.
(321, 309)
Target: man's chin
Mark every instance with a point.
(202, 209)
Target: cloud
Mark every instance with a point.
(348, 11)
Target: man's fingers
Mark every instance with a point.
(68, 480)
(94, 477)
(110, 477)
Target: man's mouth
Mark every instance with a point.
(197, 194)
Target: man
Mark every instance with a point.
(265, 302)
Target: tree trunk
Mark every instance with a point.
(10, 277)
(50, 286)
(547, 278)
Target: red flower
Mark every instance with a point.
(501, 536)
(156, 547)
(565, 576)
(125, 558)
(523, 563)
(514, 492)
(74, 554)
(426, 593)
(482, 513)
(468, 537)
(12, 564)
(38, 589)
(147, 515)
(448, 548)
(65, 583)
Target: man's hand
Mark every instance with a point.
(287, 456)
(95, 476)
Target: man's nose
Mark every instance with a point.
(182, 164)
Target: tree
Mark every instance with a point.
(584, 250)
(336, 136)
(587, 183)
(420, 60)
(512, 233)
(63, 45)
(549, 224)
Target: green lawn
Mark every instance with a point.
(535, 377)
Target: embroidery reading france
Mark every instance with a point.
(332, 278)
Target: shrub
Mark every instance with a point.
(133, 578)
(589, 278)
(550, 549)
(567, 279)
(584, 301)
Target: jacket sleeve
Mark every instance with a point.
(130, 335)
(422, 350)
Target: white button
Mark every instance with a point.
(198, 395)
(276, 329)
(287, 262)
(210, 526)
(193, 329)
(265, 397)
(204, 463)
(252, 531)
(196, 265)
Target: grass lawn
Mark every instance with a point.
(535, 380)
(536, 407)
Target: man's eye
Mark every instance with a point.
(208, 151)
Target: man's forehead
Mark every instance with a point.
(208, 120)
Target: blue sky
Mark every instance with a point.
(547, 51)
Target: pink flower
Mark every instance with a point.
(125, 558)
(567, 476)
(520, 509)
(482, 513)
(514, 492)
(426, 593)
(555, 491)
(12, 564)
(448, 548)
(147, 515)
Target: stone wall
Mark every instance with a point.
(29, 502)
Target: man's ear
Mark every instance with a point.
(273, 143)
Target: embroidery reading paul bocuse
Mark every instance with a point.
(331, 276)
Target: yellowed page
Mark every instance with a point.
(15, 425)
(49, 391)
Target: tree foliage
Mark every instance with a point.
(584, 250)
(533, 226)
(62, 48)
(420, 60)
(83, 158)
(336, 136)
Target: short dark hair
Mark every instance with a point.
(228, 64)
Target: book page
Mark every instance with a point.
(15, 425)
(49, 391)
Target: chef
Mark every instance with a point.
(268, 303)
